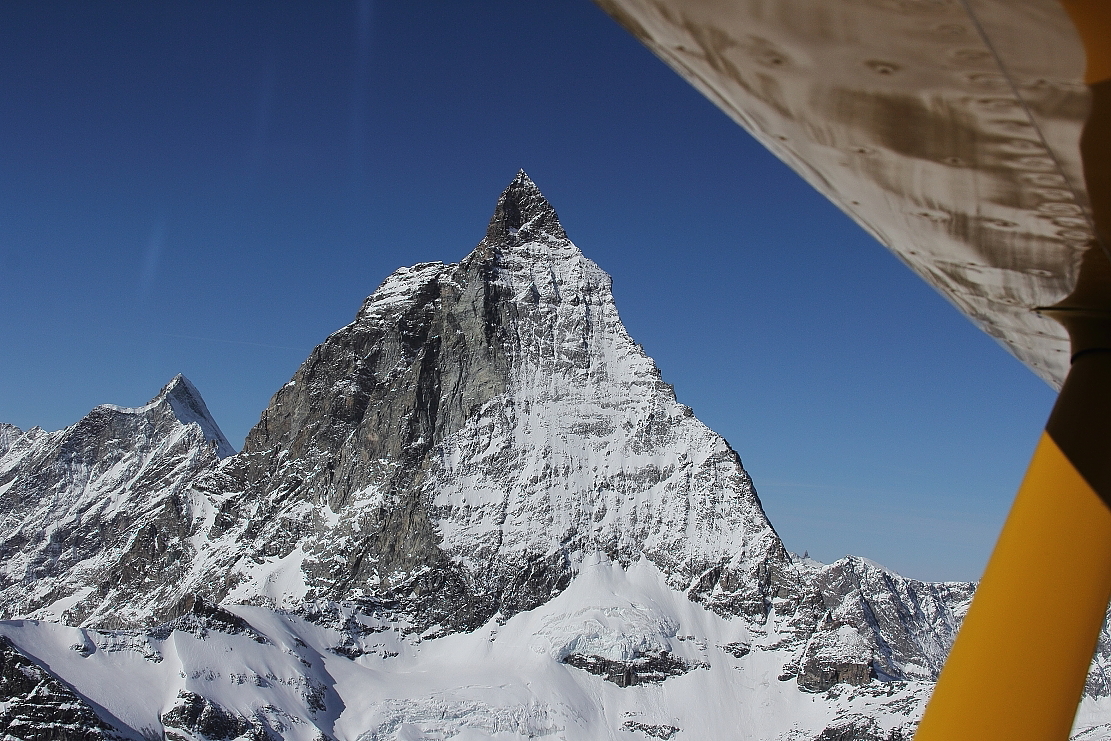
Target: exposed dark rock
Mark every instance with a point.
(655, 731)
(538, 580)
(836, 653)
(643, 669)
(737, 650)
(855, 727)
(201, 717)
(819, 677)
(36, 706)
(196, 616)
(897, 628)
(353, 622)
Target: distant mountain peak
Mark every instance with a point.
(522, 213)
(184, 398)
(187, 406)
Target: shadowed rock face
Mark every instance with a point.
(35, 706)
(643, 669)
(202, 718)
(354, 434)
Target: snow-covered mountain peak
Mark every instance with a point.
(184, 398)
(186, 405)
(8, 435)
(525, 248)
(528, 255)
(476, 511)
(89, 511)
(476, 432)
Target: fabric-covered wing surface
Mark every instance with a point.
(949, 130)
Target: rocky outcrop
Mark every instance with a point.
(646, 668)
(819, 673)
(35, 706)
(854, 620)
(856, 727)
(8, 435)
(200, 718)
(652, 730)
(197, 617)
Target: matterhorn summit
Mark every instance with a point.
(473, 435)
(474, 512)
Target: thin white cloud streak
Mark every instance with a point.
(149, 269)
(360, 82)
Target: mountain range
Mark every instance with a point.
(475, 512)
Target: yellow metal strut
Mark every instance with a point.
(1018, 667)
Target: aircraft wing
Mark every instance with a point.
(949, 130)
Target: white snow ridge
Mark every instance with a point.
(475, 512)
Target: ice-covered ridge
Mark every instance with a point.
(189, 408)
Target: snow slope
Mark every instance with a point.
(504, 681)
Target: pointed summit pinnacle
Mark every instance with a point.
(188, 406)
(523, 213)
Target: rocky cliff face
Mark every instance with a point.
(35, 706)
(483, 460)
(476, 430)
(8, 435)
(857, 621)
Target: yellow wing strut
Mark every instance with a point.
(1018, 667)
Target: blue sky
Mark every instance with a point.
(212, 187)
